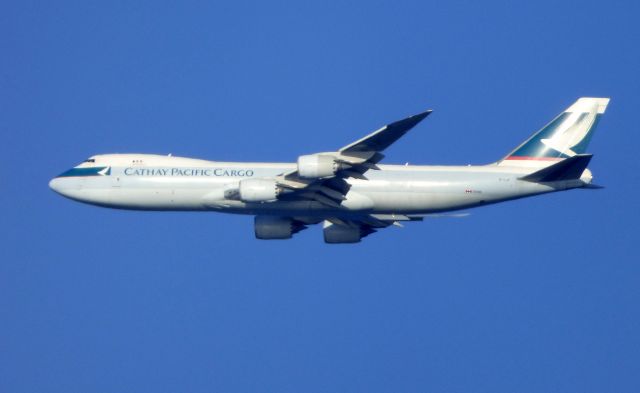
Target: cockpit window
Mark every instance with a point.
(90, 160)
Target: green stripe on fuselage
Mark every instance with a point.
(81, 172)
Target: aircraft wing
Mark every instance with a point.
(384, 137)
(353, 228)
(351, 161)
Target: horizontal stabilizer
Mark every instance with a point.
(568, 169)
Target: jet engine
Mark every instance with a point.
(253, 190)
(317, 166)
(272, 227)
(344, 234)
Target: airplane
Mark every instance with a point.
(347, 190)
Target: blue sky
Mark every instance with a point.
(533, 295)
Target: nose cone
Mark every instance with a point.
(64, 186)
(55, 185)
(92, 190)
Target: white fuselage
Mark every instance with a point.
(153, 182)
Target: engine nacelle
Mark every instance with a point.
(258, 190)
(341, 234)
(317, 166)
(272, 227)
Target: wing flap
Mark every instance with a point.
(356, 159)
(355, 228)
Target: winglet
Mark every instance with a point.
(568, 169)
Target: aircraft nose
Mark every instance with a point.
(54, 184)
(61, 186)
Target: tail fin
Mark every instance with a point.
(565, 136)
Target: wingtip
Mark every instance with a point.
(417, 118)
(424, 114)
